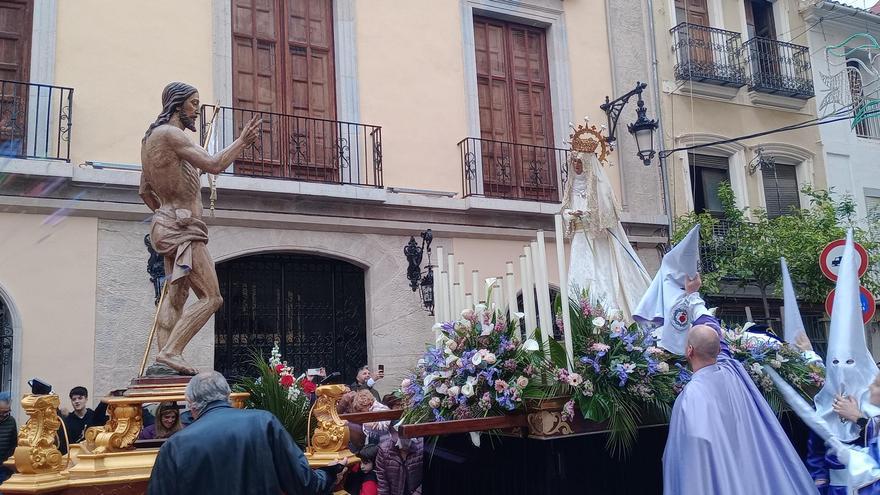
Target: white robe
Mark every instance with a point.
(602, 260)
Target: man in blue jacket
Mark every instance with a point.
(234, 451)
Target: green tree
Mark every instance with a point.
(748, 252)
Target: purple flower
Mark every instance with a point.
(589, 362)
(652, 365)
(448, 326)
(509, 365)
(505, 401)
(621, 373)
(683, 376)
(568, 411)
(437, 416)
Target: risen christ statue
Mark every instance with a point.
(171, 165)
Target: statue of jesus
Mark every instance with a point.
(170, 186)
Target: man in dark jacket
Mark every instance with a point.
(233, 451)
(8, 435)
(364, 381)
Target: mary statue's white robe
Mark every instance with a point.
(602, 260)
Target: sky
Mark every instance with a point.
(859, 3)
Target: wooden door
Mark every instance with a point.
(16, 17)
(764, 52)
(283, 68)
(515, 116)
(698, 41)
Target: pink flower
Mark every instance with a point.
(568, 411)
(279, 368)
(575, 379)
(653, 350)
(500, 386)
(434, 402)
(522, 382)
(490, 358)
(600, 347)
(405, 383)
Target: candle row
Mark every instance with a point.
(450, 298)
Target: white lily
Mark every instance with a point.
(530, 345)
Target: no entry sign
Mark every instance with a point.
(869, 305)
(829, 260)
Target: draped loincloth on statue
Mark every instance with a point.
(172, 233)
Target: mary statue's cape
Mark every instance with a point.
(725, 440)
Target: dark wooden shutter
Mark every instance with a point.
(16, 18)
(780, 189)
(692, 11)
(513, 86)
(707, 172)
(283, 65)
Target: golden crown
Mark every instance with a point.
(588, 139)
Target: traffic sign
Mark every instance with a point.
(869, 305)
(829, 260)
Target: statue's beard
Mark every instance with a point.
(188, 122)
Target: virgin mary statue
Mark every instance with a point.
(602, 261)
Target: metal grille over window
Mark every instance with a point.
(780, 189)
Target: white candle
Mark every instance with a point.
(528, 289)
(523, 275)
(563, 291)
(444, 294)
(538, 265)
(498, 296)
(462, 286)
(476, 288)
(510, 290)
(468, 301)
(459, 300)
(439, 310)
(450, 268)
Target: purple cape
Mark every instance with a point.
(725, 440)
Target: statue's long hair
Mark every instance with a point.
(173, 96)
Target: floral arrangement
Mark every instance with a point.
(754, 352)
(618, 376)
(479, 366)
(277, 390)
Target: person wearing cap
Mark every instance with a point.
(723, 437)
(8, 434)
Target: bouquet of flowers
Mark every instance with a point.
(479, 366)
(618, 376)
(277, 390)
(755, 351)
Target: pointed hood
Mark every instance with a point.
(664, 303)
(792, 323)
(849, 366)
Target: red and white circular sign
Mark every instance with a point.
(869, 305)
(832, 255)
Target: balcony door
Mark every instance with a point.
(765, 52)
(282, 63)
(516, 125)
(697, 43)
(16, 17)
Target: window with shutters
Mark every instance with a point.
(780, 189)
(513, 87)
(707, 174)
(16, 18)
(282, 60)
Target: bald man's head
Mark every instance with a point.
(704, 345)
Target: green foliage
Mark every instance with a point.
(749, 253)
(269, 395)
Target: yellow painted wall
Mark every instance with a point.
(49, 273)
(118, 55)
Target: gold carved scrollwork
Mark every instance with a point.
(121, 430)
(548, 424)
(36, 452)
(331, 432)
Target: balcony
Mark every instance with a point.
(779, 68)
(35, 120)
(299, 148)
(708, 55)
(498, 169)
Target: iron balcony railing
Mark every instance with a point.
(709, 55)
(35, 120)
(721, 243)
(498, 169)
(299, 148)
(779, 68)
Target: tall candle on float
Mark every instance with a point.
(439, 308)
(510, 290)
(563, 291)
(468, 301)
(444, 294)
(497, 295)
(450, 268)
(459, 300)
(477, 289)
(528, 290)
(461, 289)
(540, 264)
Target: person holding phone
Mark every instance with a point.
(364, 380)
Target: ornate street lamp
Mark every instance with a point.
(423, 282)
(642, 129)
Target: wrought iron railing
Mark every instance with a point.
(709, 55)
(299, 148)
(720, 244)
(779, 68)
(498, 169)
(35, 120)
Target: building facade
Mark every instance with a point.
(380, 119)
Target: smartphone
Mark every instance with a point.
(381, 369)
